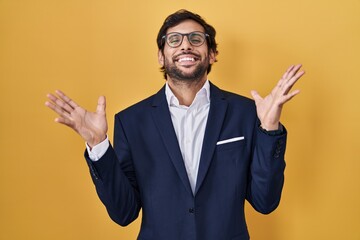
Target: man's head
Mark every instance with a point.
(187, 46)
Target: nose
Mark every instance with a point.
(186, 45)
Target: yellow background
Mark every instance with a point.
(89, 48)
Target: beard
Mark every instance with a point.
(177, 74)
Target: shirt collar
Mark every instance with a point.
(202, 96)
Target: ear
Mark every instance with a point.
(212, 56)
(161, 57)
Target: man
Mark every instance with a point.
(191, 154)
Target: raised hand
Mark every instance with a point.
(269, 108)
(91, 126)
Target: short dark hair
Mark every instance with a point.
(180, 16)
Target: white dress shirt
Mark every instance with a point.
(189, 125)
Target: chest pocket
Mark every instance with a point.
(231, 145)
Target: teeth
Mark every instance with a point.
(186, 59)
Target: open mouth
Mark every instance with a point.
(187, 60)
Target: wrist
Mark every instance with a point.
(96, 140)
(270, 127)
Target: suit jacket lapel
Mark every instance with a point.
(162, 118)
(218, 106)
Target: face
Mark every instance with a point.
(186, 62)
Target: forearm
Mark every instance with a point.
(119, 194)
(266, 177)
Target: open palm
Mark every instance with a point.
(91, 126)
(269, 108)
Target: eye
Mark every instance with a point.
(196, 38)
(174, 39)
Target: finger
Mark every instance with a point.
(101, 106)
(285, 76)
(256, 96)
(66, 99)
(60, 103)
(51, 97)
(287, 72)
(293, 71)
(65, 121)
(280, 82)
(292, 94)
(290, 83)
(58, 110)
(295, 78)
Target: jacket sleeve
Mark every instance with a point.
(115, 181)
(266, 176)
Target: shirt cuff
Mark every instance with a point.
(98, 150)
(273, 132)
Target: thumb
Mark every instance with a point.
(256, 95)
(101, 106)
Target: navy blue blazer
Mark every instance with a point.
(145, 170)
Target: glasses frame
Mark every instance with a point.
(182, 38)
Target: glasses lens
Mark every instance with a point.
(174, 39)
(196, 38)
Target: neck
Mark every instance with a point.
(185, 91)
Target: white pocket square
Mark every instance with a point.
(230, 140)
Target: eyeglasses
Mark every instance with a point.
(175, 39)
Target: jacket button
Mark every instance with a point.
(191, 210)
